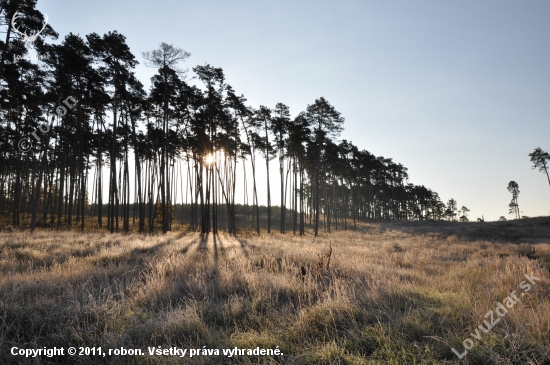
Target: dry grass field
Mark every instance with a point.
(393, 293)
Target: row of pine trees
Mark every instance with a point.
(76, 118)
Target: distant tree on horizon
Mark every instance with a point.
(540, 160)
(464, 214)
(451, 212)
(513, 188)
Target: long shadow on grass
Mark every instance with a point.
(245, 246)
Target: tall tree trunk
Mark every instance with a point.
(268, 187)
(282, 173)
(295, 197)
(38, 185)
(72, 178)
(61, 188)
(99, 186)
(16, 197)
(163, 163)
(302, 218)
(137, 161)
(113, 181)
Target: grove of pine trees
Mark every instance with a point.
(77, 120)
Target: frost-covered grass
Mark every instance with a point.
(393, 294)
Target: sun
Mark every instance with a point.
(209, 159)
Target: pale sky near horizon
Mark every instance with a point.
(456, 91)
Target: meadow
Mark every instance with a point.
(386, 293)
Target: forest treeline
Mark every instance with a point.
(74, 112)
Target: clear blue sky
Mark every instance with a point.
(457, 91)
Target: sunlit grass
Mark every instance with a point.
(394, 293)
